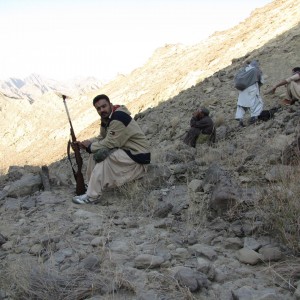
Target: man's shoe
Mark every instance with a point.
(253, 120)
(85, 199)
(241, 123)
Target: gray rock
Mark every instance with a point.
(3, 194)
(27, 185)
(145, 261)
(83, 214)
(206, 267)
(121, 259)
(148, 295)
(278, 173)
(224, 196)
(248, 256)
(251, 243)
(271, 253)
(214, 174)
(204, 250)
(195, 185)
(99, 241)
(12, 204)
(297, 293)
(48, 197)
(191, 279)
(3, 239)
(91, 262)
(2, 294)
(28, 203)
(119, 246)
(181, 253)
(233, 243)
(218, 224)
(192, 238)
(222, 132)
(8, 245)
(248, 293)
(163, 210)
(36, 249)
(164, 223)
(226, 192)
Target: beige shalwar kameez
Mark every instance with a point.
(117, 169)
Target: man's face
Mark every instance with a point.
(198, 114)
(103, 108)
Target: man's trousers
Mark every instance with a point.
(117, 169)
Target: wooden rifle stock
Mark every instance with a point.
(80, 186)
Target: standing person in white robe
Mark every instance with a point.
(249, 98)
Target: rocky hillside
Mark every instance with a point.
(170, 70)
(217, 222)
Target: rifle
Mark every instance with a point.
(80, 186)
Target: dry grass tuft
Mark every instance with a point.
(219, 119)
(280, 210)
(28, 282)
(198, 208)
(285, 273)
(169, 285)
(133, 196)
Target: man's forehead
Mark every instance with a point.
(101, 102)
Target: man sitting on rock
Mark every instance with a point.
(292, 87)
(118, 155)
(202, 128)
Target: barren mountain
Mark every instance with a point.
(34, 86)
(170, 70)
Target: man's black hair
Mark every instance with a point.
(100, 97)
(296, 69)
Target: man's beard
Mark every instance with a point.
(105, 116)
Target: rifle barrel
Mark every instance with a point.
(64, 99)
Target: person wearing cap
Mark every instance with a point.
(292, 87)
(250, 99)
(202, 128)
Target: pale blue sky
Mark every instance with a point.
(69, 38)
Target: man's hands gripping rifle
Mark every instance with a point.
(72, 143)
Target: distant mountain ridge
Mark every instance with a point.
(35, 85)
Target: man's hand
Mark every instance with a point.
(85, 144)
(102, 154)
(82, 145)
(271, 91)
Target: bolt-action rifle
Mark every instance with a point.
(80, 186)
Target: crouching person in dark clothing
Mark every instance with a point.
(202, 129)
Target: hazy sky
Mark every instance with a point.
(62, 39)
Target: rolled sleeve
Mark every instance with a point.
(295, 77)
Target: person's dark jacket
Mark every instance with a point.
(205, 124)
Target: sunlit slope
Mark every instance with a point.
(37, 133)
